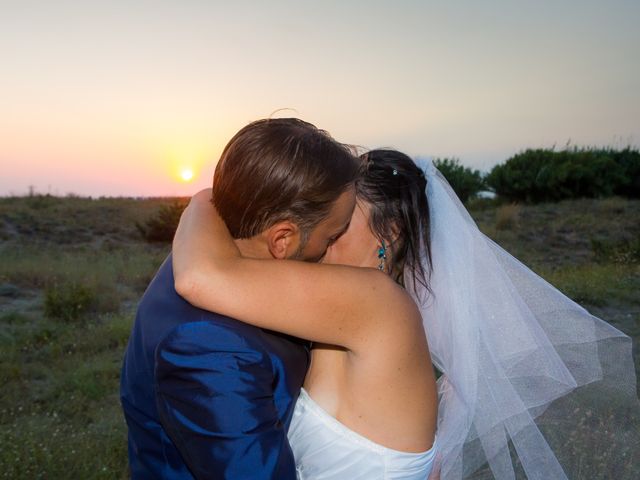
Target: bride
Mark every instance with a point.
(512, 350)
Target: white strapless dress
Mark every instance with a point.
(325, 449)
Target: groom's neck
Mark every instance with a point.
(252, 248)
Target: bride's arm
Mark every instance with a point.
(333, 304)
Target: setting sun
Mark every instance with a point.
(186, 174)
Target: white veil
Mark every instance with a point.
(532, 385)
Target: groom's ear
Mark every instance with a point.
(283, 239)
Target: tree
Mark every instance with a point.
(464, 181)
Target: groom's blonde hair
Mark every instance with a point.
(280, 169)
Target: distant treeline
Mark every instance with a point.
(547, 175)
(532, 176)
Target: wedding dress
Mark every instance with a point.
(326, 449)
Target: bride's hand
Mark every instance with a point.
(202, 242)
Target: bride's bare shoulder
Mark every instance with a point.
(387, 310)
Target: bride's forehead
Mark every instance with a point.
(360, 218)
(342, 209)
(362, 212)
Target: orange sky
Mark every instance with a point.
(117, 98)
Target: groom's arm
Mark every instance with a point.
(215, 399)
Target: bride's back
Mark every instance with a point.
(386, 393)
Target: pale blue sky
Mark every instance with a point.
(117, 97)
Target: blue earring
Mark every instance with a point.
(382, 255)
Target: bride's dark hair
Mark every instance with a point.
(395, 189)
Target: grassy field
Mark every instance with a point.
(72, 270)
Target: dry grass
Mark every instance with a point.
(507, 216)
(59, 410)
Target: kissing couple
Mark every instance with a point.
(328, 316)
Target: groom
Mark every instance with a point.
(207, 396)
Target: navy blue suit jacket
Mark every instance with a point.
(207, 396)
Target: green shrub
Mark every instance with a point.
(629, 160)
(464, 181)
(544, 175)
(162, 226)
(625, 252)
(68, 301)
